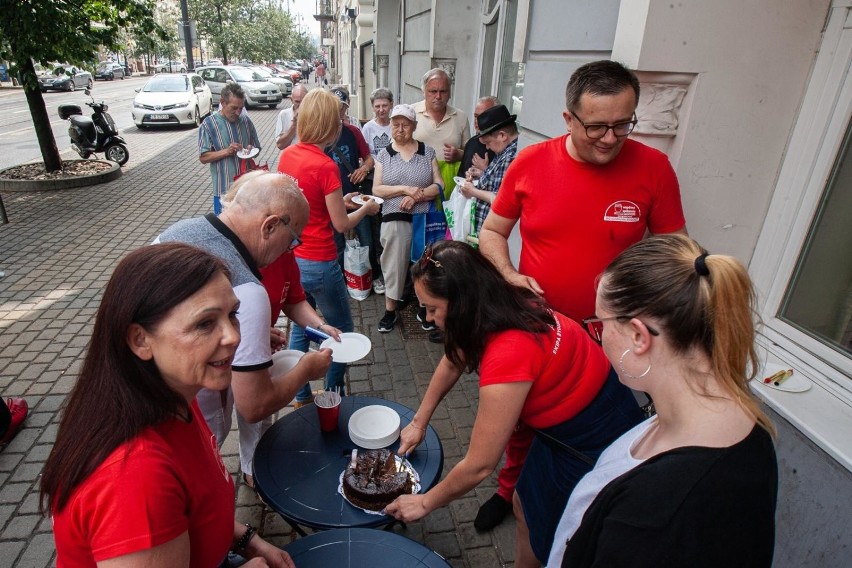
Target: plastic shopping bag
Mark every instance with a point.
(459, 211)
(356, 269)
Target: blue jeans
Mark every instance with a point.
(326, 289)
(550, 473)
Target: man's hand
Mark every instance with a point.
(316, 363)
(451, 153)
(467, 189)
(277, 338)
(528, 282)
(480, 162)
(235, 147)
(358, 175)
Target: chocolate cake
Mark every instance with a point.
(372, 480)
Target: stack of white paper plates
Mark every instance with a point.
(374, 427)
(283, 361)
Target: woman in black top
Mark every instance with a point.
(695, 485)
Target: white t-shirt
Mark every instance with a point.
(615, 461)
(376, 135)
(282, 124)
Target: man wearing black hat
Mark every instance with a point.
(499, 133)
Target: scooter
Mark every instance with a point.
(94, 135)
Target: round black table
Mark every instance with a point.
(297, 466)
(362, 547)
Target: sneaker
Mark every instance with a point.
(426, 325)
(19, 409)
(388, 321)
(436, 336)
(300, 403)
(492, 513)
(379, 286)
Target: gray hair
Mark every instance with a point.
(494, 101)
(299, 87)
(381, 93)
(436, 73)
(232, 90)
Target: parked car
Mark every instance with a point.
(171, 66)
(214, 62)
(109, 71)
(64, 78)
(170, 98)
(285, 85)
(258, 90)
(294, 76)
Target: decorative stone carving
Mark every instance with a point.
(383, 61)
(448, 65)
(659, 107)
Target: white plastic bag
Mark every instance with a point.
(356, 269)
(459, 211)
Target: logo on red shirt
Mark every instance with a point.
(623, 212)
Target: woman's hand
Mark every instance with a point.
(408, 508)
(416, 193)
(264, 554)
(316, 363)
(277, 338)
(410, 437)
(407, 203)
(347, 201)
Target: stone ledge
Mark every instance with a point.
(114, 172)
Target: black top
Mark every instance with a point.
(471, 147)
(692, 506)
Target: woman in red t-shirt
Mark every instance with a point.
(135, 476)
(536, 367)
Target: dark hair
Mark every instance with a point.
(117, 394)
(709, 309)
(479, 301)
(232, 90)
(598, 78)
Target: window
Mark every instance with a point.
(501, 51)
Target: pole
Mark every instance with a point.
(187, 37)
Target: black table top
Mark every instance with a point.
(297, 466)
(362, 547)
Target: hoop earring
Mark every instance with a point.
(627, 375)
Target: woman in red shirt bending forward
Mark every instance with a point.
(535, 366)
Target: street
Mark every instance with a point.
(18, 143)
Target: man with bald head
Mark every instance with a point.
(285, 125)
(263, 221)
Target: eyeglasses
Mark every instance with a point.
(427, 258)
(594, 326)
(296, 240)
(598, 131)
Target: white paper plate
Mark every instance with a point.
(794, 383)
(352, 347)
(362, 199)
(283, 361)
(374, 427)
(246, 154)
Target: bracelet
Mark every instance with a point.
(416, 426)
(245, 539)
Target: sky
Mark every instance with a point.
(306, 8)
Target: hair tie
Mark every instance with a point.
(701, 266)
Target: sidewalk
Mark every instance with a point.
(58, 252)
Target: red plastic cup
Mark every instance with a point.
(328, 416)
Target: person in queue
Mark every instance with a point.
(262, 222)
(441, 126)
(695, 485)
(476, 155)
(377, 133)
(319, 179)
(407, 178)
(563, 387)
(221, 136)
(285, 124)
(133, 478)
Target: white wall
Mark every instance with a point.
(752, 61)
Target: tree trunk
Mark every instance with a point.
(41, 120)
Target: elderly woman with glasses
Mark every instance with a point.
(408, 178)
(696, 484)
(562, 386)
(319, 179)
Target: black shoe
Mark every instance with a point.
(492, 513)
(426, 325)
(436, 336)
(387, 322)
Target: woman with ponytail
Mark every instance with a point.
(696, 484)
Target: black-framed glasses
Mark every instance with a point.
(594, 326)
(296, 240)
(427, 258)
(598, 131)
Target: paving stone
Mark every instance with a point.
(38, 553)
(10, 550)
(21, 528)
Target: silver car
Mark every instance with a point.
(258, 90)
(285, 85)
(172, 98)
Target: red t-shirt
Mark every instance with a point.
(575, 218)
(283, 284)
(567, 369)
(168, 480)
(317, 176)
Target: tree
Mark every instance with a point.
(69, 31)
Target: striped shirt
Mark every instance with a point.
(216, 134)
